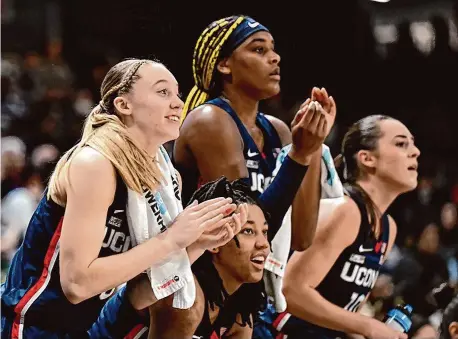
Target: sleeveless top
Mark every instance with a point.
(260, 163)
(32, 293)
(350, 279)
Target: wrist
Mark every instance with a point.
(300, 157)
(194, 251)
(364, 326)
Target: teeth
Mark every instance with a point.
(258, 258)
(173, 118)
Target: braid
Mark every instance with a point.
(207, 53)
(250, 298)
(124, 85)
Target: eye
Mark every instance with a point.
(259, 50)
(180, 95)
(164, 92)
(248, 231)
(402, 144)
(265, 232)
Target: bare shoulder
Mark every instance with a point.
(282, 129)
(91, 171)
(208, 118)
(339, 218)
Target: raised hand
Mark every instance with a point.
(219, 236)
(311, 125)
(198, 218)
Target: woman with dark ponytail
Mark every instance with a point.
(326, 284)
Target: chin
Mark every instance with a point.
(171, 135)
(408, 186)
(270, 92)
(255, 277)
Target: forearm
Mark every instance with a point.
(280, 194)
(194, 252)
(109, 272)
(305, 208)
(307, 304)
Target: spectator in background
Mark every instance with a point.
(17, 208)
(448, 234)
(420, 270)
(449, 325)
(13, 162)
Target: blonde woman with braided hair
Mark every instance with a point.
(78, 249)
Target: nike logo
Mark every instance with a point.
(118, 211)
(253, 24)
(252, 154)
(362, 249)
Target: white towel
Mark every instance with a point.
(331, 187)
(148, 215)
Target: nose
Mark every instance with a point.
(275, 58)
(415, 152)
(261, 241)
(177, 103)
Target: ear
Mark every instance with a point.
(367, 158)
(122, 105)
(224, 66)
(453, 329)
(214, 250)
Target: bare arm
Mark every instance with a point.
(82, 273)
(304, 213)
(213, 139)
(91, 192)
(334, 234)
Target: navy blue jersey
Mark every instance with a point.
(349, 280)
(260, 163)
(32, 294)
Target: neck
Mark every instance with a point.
(150, 145)
(380, 192)
(230, 283)
(243, 104)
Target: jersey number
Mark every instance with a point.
(355, 300)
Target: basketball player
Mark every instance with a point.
(235, 65)
(77, 247)
(326, 284)
(228, 280)
(229, 287)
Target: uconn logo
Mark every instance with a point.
(359, 275)
(259, 182)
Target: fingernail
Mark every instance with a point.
(229, 210)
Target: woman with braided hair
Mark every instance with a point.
(77, 248)
(230, 290)
(235, 66)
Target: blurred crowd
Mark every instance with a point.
(42, 114)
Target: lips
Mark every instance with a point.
(276, 71)
(173, 117)
(259, 259)
(413, 167)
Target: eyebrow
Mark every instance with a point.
(404, 137)
(260, 40)
(251, 222)
(161, 81)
